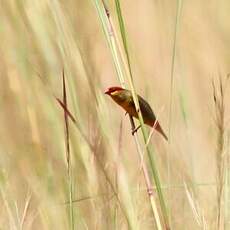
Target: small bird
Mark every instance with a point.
(123, 97)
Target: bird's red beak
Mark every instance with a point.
(107, 92)
(110, 90)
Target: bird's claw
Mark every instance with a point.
(135, 130)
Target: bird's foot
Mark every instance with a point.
(135, 130)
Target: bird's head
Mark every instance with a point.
(118, 94)
(113, 91)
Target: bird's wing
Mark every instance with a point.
(146, 110)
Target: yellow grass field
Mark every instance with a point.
(179, 54)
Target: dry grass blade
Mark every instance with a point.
(68, 157)
(120, 63)
(90, 198)
(25, 211)
(66, 110)
(199, 217)
(148, 149)
(219, 91)
(97, 158)
(12, 221)
(66, 116)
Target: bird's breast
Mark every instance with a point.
(129, 108)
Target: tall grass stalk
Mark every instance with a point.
(219, 91)
(196, 210)
(227, 190)
(149, 151)
(102, 168)
(178, 12)
(68, 156)
(117, 48)
(25, 211)
(109, 30)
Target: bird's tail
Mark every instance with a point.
(160, 130)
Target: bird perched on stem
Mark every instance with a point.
(124, 98)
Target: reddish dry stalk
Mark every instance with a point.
(144, 167)
(68, 159)
(70, 115)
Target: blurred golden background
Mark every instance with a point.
(38, 40)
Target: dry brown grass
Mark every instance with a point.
(38, 39)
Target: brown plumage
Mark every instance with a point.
(123, 97)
